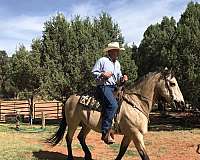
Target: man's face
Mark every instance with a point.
(113, 53)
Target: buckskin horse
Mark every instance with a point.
(133, 116)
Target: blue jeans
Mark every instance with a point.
(110, 106)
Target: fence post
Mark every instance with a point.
(34, 111)
(31, 109)
(17, 120)
(43, 120)
(0, 110)
(14, 106)
(57, 109)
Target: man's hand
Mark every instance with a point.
(124, 78)
(106, 75)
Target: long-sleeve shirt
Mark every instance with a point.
(105, 64)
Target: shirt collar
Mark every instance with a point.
(111, 59)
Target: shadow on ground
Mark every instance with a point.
(173, 121)
(46, 155)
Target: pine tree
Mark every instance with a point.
(177, 46)
(157, 48)
(25, 74)
(4, 74)
(188, 46)
(70, 49)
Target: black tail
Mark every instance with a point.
(58, 136)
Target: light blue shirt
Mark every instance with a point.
(104, 64)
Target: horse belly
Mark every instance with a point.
(92, 119)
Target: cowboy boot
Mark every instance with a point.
(107, 137)
(112, 134)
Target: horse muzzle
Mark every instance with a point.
(179, 105)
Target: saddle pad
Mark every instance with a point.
(90, 102)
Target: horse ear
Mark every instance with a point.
(166, 72)
(172, 73)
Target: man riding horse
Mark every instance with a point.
(107, 72)
(133, 116)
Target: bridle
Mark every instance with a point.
(146, 99)
(167, 82)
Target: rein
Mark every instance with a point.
(167, 86)
(121, 86)
(198, 148)
(133, 105)
(146, 99)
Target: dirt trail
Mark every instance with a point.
(166, 140)
(166, 145)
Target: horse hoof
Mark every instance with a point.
(88, 157)
(70, 158)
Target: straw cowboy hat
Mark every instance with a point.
(113, 45)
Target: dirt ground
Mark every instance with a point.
(170, 141)
(177, 145)
(174, 136)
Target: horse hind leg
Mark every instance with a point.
(69, 137)
(81, 137)
(124, 145)
(139, 144)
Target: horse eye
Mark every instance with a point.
(172, 84)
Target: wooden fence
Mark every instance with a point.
(51, 109)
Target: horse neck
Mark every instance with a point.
(146, 90)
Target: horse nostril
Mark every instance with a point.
(182, 103)
(179, 105)
(175, 101)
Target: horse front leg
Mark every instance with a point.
(123, 147)
(81, 137)
(139, 144)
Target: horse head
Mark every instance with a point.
(168, 89)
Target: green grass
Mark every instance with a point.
(26, 143)
(147, 143)
(27, 128)
(115, 147)
(78, 146)
(16, 145)
(13, 147)
(162, 150)
(128, 153)
(131, 153)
